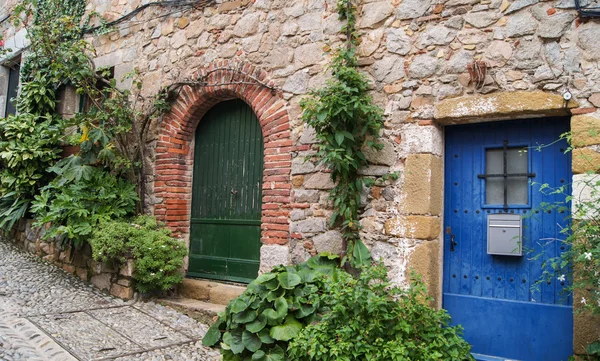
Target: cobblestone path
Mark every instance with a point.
(47, 315)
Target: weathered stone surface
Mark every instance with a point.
(101, 281)
(498, 105)
(392, 256)
(311, 225)
(308, 54)
(498, 53)
(410, 9)
(370, 42)
(423, 66)
(398, 42)
(595, 99)
(222, 294)
(423, 185)
(459, 62)
(311, 196)
(389, 69)
(376, 12)
(328, 242)
(473, 36)
(310, 21)
(374, 170)
(122, 292)
(543, 73)
(420, 139)
(585, 160)
(436, 35)
(273, 255)
(319, 181)
(247, 25)
(309, 136)
(520, 24)
(555, 26)
(482, 19)
(386, 156)
(296, 83)
(588, 41)
(583, 186)
(302, 166)
(519, 4)
(426, 259)
(585, 130)
(416, 227)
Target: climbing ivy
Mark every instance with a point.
(345, 118)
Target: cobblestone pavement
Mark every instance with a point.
(47, 315)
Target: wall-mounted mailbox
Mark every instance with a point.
(505, 234)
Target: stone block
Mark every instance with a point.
(425, 259)
(306, 196)
(415, 227)
(69, 268)
(222, 294)
(127, 269)
(311, 225)
(422, 188)
(503, 105)
(386, 156)
(125, 293)
(585, 160)
(330, 242)
(318, 181)
(101, 281)
(272, 255)
(125, 282)
(583, 186)
(82, 273)
(585, 130)
(586, 326)
(195, 289)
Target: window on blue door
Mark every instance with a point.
(506, 177)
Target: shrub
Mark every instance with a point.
(158, 257)
(368, 319)
(273, 309)
(74, 208)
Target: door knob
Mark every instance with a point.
(453, 243)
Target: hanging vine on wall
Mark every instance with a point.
(345, 118)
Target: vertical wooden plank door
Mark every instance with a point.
(227, 194)
(494, 168)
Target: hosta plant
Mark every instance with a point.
(274, 308)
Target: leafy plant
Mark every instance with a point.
(366, 318)
(345, 118)
(74, 209)
(274, 308)
(158, 257)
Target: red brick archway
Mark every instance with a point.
(175, 156)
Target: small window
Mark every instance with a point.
(14, 68)
(506, 176)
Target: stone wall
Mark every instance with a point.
(79, 262)
(420, 56)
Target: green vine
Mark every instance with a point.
(345, 118)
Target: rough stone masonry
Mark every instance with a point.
(417, 54)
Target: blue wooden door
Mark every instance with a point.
(493, 168)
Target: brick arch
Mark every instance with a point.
(175, 154)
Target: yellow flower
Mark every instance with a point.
(84, 136)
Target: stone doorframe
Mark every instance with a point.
(515, 105)
(174, 164)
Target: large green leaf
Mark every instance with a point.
(265, 277)
(361, 255)
(274, 354)
(251, 341)
(289, 280)
(213, 335)
(238, 305)
(257, 324)
(265, 337)
(233, 339)
(274, 316)
(290, 329)
(245, 316)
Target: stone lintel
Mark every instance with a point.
(500, 106)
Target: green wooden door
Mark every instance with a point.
(227, 194)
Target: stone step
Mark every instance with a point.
(201, 311)
(210, 291)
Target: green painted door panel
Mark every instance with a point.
(227, 194)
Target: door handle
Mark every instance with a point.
(453, 242)
(234, 192)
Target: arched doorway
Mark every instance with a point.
(225, 227)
